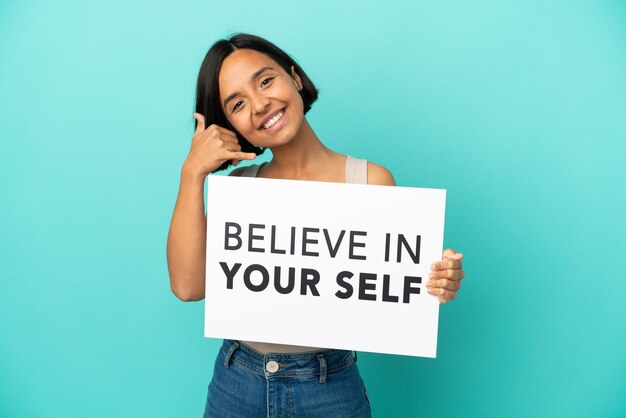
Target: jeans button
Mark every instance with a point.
(271, 366)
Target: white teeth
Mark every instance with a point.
(272, 121)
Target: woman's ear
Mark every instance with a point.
(296, 78)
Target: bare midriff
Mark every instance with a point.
(279, 348)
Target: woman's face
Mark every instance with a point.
(260, 99)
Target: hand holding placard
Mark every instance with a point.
(446, 275)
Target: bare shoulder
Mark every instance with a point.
(377, 174)
(237, 172)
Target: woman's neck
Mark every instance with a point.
(301, 156)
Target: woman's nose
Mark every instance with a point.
(260, 103)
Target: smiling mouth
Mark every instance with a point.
(275, 119)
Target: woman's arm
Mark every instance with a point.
(186, 240)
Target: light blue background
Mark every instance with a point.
(518, 108)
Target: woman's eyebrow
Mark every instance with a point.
(252, 78)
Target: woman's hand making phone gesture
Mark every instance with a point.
(211, 147)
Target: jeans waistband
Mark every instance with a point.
(274, 365)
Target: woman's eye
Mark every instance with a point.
(266, 81)
(237, 105)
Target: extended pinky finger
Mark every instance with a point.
(241, 155)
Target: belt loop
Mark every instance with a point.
(354, 356)
(229, 353)
(322, 360)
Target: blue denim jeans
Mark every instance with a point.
(250, 384)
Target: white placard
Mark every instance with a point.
(322, 264)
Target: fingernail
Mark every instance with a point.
(432, 267)
(431, 275)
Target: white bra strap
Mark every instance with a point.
(356, 170)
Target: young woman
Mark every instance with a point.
(251, 96)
